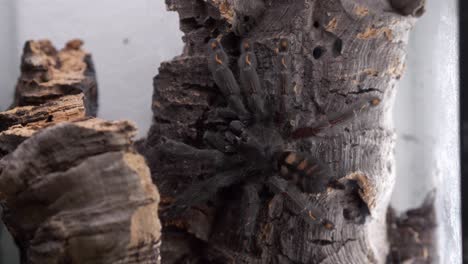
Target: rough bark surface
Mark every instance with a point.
(20, 123)
(47, 74)
(341, 50)
(78, 193)
(412, 235)
(72, 187)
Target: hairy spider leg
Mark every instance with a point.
(250, 82)
(336, 118)
(203, 191)
(305, 171)
(243, 142)
(249, 214)
(300, 204)
(218, 63)
(174, 148)
(283, 62)
(217, 141)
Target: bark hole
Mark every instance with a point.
(318, 52)
(337, 47)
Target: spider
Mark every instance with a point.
(250, 149)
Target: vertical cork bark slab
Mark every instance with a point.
(72, 188)
(412, 235)
(54, 87)
(341, 50)
(47, 74)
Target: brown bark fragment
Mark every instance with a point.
(373, 32)
(412, 234)
(66, 108)
(72, 188)
(331, 26)
(78, 193)
(361, 11)
(20, 123)
(54, 86)
(225, 9)
(47, 74)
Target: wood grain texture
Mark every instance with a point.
(20, 123)
(342, 51)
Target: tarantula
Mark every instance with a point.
(249, 150)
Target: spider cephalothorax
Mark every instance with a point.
(250, 146)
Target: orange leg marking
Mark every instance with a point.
(218, 60)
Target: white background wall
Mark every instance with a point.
(426, 120)
(8, 51)
(129, 39)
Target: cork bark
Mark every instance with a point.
(72, 187)
(48, 73)
(412, 235)
(20, 123)
(342, 50)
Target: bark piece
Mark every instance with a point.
(412, 235)
(72, 192)
(64, 109)
(342, 51)
(47, 74)
(20, 123)
(409, 7)
(78, 193)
